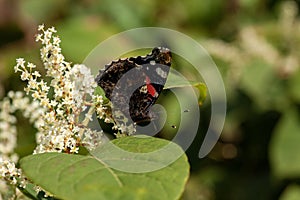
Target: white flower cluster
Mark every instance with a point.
(11, 179)
(8, 132)
(10, 175)
(59, 126)
(60, 110)
(122, 126)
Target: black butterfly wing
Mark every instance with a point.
(109, 77)
(135, 83)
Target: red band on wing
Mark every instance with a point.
(151, 90)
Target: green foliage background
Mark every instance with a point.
(256, 47)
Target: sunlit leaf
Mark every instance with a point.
(292, 192)
(174, 81)
(83, 177)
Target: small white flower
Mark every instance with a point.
(41, 27)
(89, 116)
(20, 62)
(31, 65)
(36, 74)
(47, 36)
(25, 76)
(32, 84)
(45, 102)
(35, 95)
(53, 103)
(11, 94)
(44, 86)
(52, 29)
(38, 37)
(56, 40)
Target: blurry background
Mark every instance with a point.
(256, 45)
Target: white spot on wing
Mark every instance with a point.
(152, 62)
(161, 72)
(144, 89)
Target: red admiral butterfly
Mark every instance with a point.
(134, 84)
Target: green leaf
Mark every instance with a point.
(30, 192)
(261, 83)
(294, 86)
(292, 192)
(202, 92)
(101, 92)
(176, 80)
(284, 146)
(83, 177)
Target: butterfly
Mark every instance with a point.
(134, 84)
